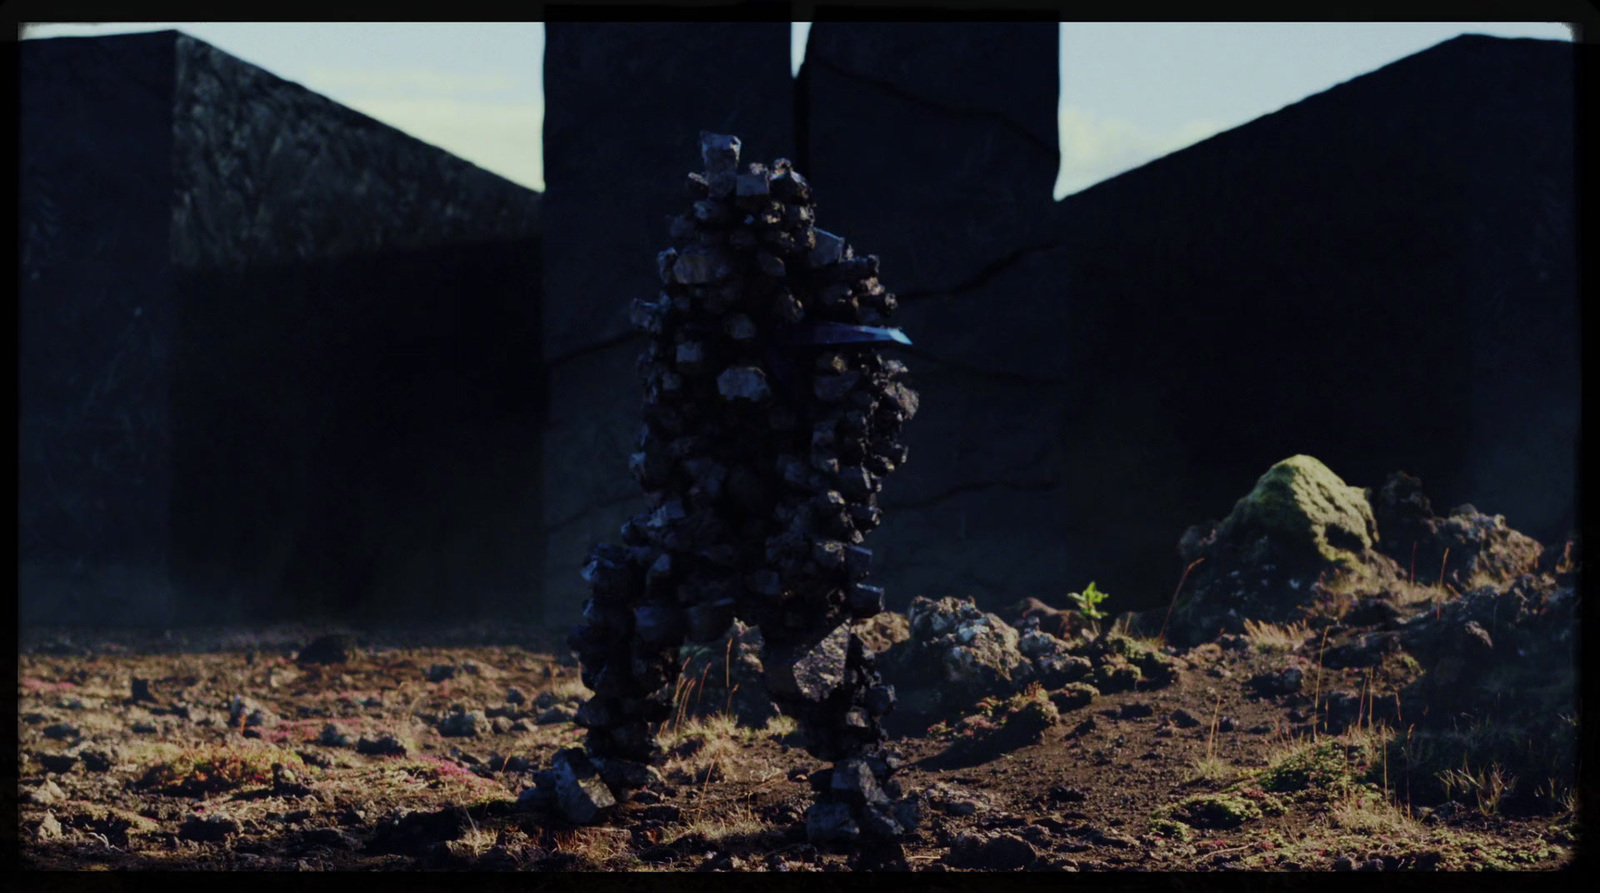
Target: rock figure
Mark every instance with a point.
(770, 419)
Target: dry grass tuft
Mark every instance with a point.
(571, 690)
(1488, 787)
(1271, 637)
(736, 820)
(596, 845)
(1364, 813)
(703, 749)
(1212, 769)
(780, 726)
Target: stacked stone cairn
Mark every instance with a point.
(763, 448)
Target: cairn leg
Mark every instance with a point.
(830, 685)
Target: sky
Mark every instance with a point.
(1130, 91)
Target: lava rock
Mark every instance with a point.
(464, 724)
(1005, 852)
(831, 822)
(387, 745)
(60, 731)
(581, 795)
(208, 828)
(810, 671)
(1283, 682)
(743, 383)
(242, 710)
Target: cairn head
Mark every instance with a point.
(719, 152)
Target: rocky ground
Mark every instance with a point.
(1371, 716)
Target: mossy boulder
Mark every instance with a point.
(1301, 542)
(1300, 505)
(1074, 695)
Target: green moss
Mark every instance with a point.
(1326, 770)
(1116, 674)
(1074, 695)
(1170, 827)
(1215, 811)
(1301, 502)
(1028, 714)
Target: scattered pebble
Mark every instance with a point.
(1183, 719)
(49, 827)
(60, 730)
(45, 794)
(208, 828)
(57, 762)
(558, 713)
(464, 724)
(251, 713)
(388, 745)
(333, 736)
(139, 689)
(330, 649)
(98, 758)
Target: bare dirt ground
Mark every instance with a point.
(221, 750)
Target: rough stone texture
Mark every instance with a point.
(403, 395)
(1300, 503)
(964, 115)
(95, 327)
(277, 356)
(810, 670)
(956, 656)
(581, 795)
(734, 677)
(273, 173)
(623, 104)
(593, 427)
(1471, 549)
(1003, 852)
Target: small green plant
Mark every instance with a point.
(1088, 602)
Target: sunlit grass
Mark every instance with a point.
(1269, 637)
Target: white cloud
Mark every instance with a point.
(1094, 148)
(503, 137)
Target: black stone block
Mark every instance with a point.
(263, 339)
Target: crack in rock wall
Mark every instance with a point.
(962, 118)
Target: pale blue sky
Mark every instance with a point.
(1130, 92)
